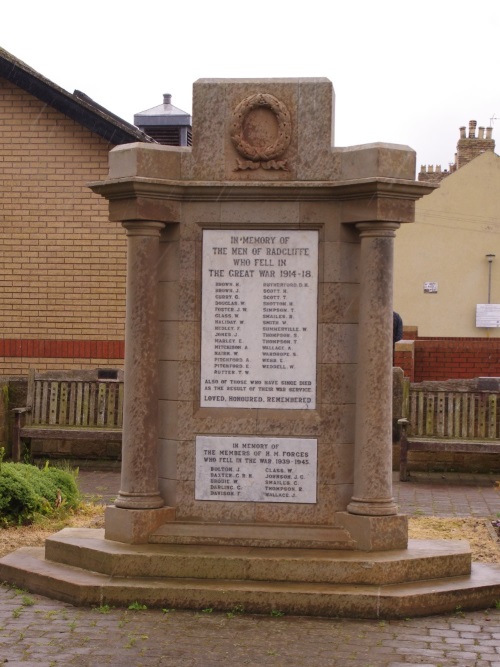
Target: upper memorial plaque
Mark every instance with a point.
(259, 319)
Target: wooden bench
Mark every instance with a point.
(457, 416)
(70, 405)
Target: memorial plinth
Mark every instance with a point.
(257, 420)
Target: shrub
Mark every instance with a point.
(27, 491)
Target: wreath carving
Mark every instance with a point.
(261, 156)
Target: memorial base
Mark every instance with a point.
(375, 533)
(81, 567)
(135, 526)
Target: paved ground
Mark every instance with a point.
(36, 631)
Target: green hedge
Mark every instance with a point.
(27, 491)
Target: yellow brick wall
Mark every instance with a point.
(62, 263)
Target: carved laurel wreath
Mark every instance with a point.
(263, 154)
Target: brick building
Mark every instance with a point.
(468, 147)
(446, 263)
(62, 264)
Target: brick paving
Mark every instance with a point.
(36, 631)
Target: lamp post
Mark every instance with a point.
(490, 257)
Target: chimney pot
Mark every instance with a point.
(472, 129)
(167, 98)
(462, 132)
(480, 133)
(489, 130)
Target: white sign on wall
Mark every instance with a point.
(488, 315)
(259, 319)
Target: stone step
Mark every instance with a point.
(424, 559)
(27, 568)
(294, 536)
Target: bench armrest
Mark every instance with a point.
(20, 411)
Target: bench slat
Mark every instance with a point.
(119, 408)
(101, 404)
(449, 420)
(471, 432)
(55, 433)
(110, 408)
(54, 394)
(86, 404)
(420, 413)
(481, 418)
(441, 413)
(492, 411)
(63, 404)
(79, 403)
(72, 403)
(456, 416)
(470, 446)
(36, 415)
(92, 405)
(429, 415)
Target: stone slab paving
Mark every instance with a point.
(447, 494)
(37, 631)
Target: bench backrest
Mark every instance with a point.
(75, 398)
(454, 414)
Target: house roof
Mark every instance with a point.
(77, 106)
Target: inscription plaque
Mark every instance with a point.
(259, 319)
(487, 315)
(266, 470)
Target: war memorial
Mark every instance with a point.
(257, 432)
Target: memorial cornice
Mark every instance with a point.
(180, 191)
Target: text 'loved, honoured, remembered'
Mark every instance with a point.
(259, 319)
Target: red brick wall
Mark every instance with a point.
(449, 358)
(405, 359)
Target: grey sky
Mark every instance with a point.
(403, 71)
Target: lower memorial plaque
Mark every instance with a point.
(268, 470)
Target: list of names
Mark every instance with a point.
(259, 319)
(270, 470)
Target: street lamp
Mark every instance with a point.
(490, 257)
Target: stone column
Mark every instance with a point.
(372, 494)
(139, 478)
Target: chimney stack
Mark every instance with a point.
(471, 147)
(167, 124)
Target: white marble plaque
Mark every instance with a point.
(259, 319)
(263, 470)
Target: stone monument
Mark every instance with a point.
(257, 440)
